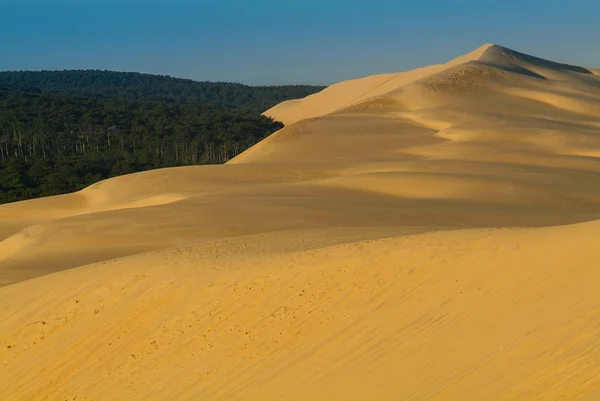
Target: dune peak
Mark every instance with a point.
(503, 55)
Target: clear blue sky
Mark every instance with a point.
(286, 41)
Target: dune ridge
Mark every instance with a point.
(345, 93)
(428, 234)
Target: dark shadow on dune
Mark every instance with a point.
(510, 68)
(500, 55)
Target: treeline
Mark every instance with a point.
(52, 143)
(151, 88)
(61, 131)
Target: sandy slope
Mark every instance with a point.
(348, 92)
(475, 314)
(421, 235)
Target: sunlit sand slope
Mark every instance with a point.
(430, 234)
(348, 92)
(472, 315)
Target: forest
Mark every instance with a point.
(145, 87)
(64, 137)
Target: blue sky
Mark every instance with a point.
(277, 42)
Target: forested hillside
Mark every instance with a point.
(61, 131)
(146, 87)
(55, 143)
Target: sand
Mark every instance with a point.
(422, 235)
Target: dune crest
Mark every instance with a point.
(428, 234)
(345, 93)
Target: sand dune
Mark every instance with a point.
(428, 234)
(346, 93)
(475, 314)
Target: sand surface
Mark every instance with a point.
(430, 234)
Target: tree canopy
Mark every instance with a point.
(145, 87)
(63, 131)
